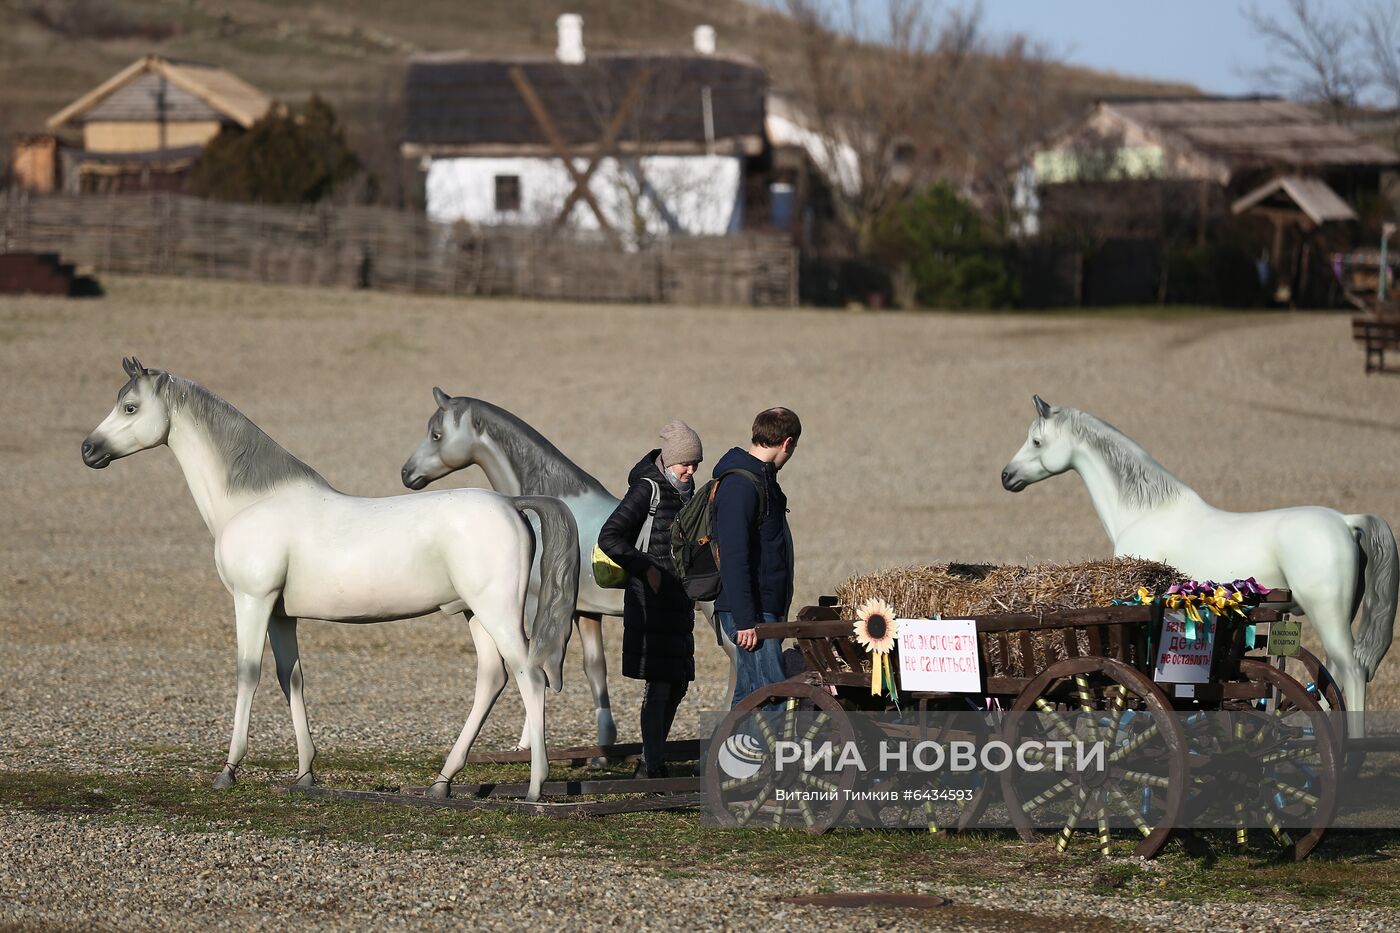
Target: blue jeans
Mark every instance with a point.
(754, 669)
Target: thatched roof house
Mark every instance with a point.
(1234, 149)
(1217, 139)
(144, 126)
(630, 144)
(1138, 179)
(458, 105)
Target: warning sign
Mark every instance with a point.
(1182, 660)
(1285, 637)
(939, 655)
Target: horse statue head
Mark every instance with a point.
(139, 421)
(449, 446)
(1047, 452)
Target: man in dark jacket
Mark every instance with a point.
(755, 548)
(658, 619)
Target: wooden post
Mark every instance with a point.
(1203, 208)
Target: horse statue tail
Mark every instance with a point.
(559, 567)
(1377, 543)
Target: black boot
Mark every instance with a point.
(645, 770)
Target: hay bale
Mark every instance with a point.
(961, 590)
(984, 589)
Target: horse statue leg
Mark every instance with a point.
(730, 649)
(251, 614)
(282, 632)
(595, 667)
(532, 601)
(504, 641)
(530, 679)
(490, 681)
(1325, 591)
(1333, 624)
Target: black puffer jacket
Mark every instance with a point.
(658, 639)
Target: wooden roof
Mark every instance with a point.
(1254, 132)
(154, 88)
(149, 96)
(457, 104)
(1312, 196)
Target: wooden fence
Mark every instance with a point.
(369, 247)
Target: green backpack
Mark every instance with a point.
(694, 549)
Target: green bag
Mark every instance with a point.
(694, 549)
(606, 571)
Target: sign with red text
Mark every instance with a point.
(939, 656)
(1182, 660)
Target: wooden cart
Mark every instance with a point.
(1097, 662)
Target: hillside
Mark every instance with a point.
(352, 51)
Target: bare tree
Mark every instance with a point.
(1008, 101)
(1316, 57)
(917, 95)
(1380, 27)
(872, 92)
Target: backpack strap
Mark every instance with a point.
(758, 484)
(644, 537)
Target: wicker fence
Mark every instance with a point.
(167, 234)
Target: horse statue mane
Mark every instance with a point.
(255, 463)
(543, 469)
(1142, 481)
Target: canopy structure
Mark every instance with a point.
(1312, 198)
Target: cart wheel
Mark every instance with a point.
(949, 801)
(1142, 785)
(741, 776)
(1294, 770)
(1318, 681)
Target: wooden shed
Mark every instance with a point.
(146, 125)
(34, 163)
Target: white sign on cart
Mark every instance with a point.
(1183, 660)
(939, 656)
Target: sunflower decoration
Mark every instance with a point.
(875, 630)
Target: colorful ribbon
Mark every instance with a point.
(1200, 603)
(882, 676)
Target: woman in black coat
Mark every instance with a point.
(658, 619)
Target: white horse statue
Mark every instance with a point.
(518, 460)
(1333, 564)
(289, 546)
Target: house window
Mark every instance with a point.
(507, 193)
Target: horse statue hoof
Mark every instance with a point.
(224, 779)
(306, 780)
(441, 789)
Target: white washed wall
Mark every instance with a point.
(701, 192)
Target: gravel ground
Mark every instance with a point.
(237, 883)
(118, 635)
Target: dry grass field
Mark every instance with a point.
(117, 635)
